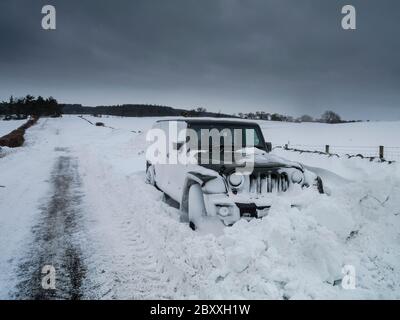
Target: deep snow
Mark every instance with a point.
(8, 126)
(133, 245)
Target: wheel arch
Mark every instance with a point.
(192, 178)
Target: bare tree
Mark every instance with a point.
(331, 117)
(201, 110)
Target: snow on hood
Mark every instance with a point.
(262, 158)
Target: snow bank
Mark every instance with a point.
(5, 150)
(8, 126)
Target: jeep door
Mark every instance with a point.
(176, 172)
(161, 166)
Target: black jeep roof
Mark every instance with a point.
(239, 122)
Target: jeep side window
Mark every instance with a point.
(257, 143)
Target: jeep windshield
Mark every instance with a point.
(226, 137)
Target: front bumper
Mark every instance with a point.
(239, 207)
(251, 210)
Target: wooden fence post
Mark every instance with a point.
(327, 149)
(381, 152)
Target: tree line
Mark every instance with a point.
(149, 110)
(30, 106)
(327, 117)
(140, 110)
(39, 106)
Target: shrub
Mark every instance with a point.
(16, 137)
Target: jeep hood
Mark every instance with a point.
(259, 158)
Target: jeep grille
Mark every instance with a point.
(268, 182)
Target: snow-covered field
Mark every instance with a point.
(74, 197)
(345, 134)
(8, 126)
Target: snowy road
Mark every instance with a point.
(86, 232)
(55, 242)
(74, 197)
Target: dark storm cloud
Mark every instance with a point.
(230, 55)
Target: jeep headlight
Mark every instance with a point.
(235, 180)
(297, 176)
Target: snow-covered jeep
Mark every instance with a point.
(229, 176)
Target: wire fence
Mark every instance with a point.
(392, 153)
(380, 153)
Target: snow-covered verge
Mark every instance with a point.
(5, 151)
(23, 174)
(8, 126)
(134, 246)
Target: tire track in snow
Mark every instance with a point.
(135, 271)
(55, 239)
(124, 263)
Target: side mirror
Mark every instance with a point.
(268, 146)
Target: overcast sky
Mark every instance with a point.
(285, 56)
